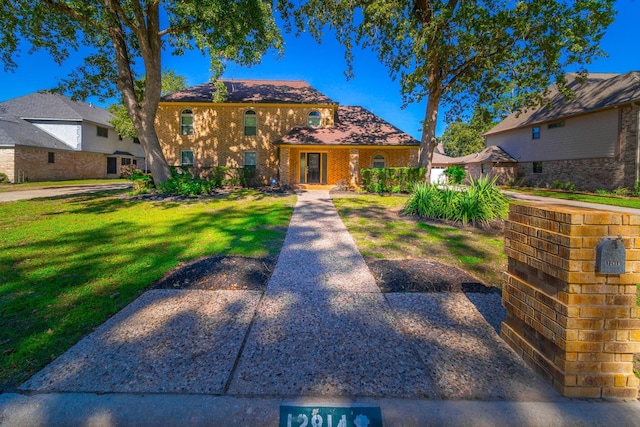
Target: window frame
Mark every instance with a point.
(254, 115)
(537, 167)
(255, 159)
(182, 154)
(374, 161)
(125, 161)
(535, 132)
(312, 117)
(100, 130)
(556, 125)
(186, 129)
(51, 157)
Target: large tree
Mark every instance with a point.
(493, 53)
(126, 39)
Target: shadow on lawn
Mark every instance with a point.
(57, 288)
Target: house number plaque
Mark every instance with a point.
(610, 256)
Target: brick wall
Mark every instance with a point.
(33, 164)
(576, 327)
(598, 173)
(505, 173)
(219, 139)
(7, 163)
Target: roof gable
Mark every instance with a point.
(52, 106)
(353, 126)
(15, 131)
(598, 92)
(254, 91)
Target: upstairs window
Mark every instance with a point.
(313, 119)
(250, 123)
(103, 132)
(186, 122)
(535, 132)
(379, 161)
(555, 125)
(186, 158)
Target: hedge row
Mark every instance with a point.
(391, 180)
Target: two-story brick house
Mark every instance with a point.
(591, 140)
(286, 130)
(46, 136)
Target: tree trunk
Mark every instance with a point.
(428, 143)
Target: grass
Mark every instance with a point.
(69, 263)
(626, 202)
(380, 232)
(47, 184)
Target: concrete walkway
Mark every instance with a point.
(321, 334)
(53, 191)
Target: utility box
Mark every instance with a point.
(610, 257)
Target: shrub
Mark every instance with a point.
(621, 191)
(601, 192)
(3, 178)
(636, 189)
(142, 182)
(384, 180)
(185, 185)
(455, 174)
(482, 201)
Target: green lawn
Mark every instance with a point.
(626, 202)
(47, 184)
(70, 263)
(380, 232)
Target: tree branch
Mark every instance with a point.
(72, 13)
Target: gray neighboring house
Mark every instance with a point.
(590, 140)
(49, 137)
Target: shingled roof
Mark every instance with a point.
(353, 126)
(254, 91)
(47, 105)
(598, 92)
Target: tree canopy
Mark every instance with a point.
(126, 39)
(498, 54)
(466, 137)
(171, 82)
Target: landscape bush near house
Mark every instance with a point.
(3, 178)
(481, 202)
(455, 174)
(391, 180)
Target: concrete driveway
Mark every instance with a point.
(53, 191)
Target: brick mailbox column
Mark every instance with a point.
(578, 328)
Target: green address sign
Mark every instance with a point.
(329, 416)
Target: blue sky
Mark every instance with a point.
(322, 65)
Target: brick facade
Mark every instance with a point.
(504, 173)
(606, 173)
(218, 133)
(578, 328)
(22, 164)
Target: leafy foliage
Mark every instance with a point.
(482, 201)
(3, 178)
(501, 55)
(123, 40)
(455, 174)
(462, 138)
(395, 180)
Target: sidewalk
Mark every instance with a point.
(322, 332)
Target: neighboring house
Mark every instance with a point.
(490, 162)
(590, 140)
(46, 136)
(286, 130)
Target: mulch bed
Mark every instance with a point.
(413, 275)
(220, 273)
(241, 273)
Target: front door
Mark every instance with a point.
(313, 168)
